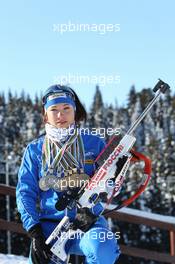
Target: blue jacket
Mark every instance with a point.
(35, 204)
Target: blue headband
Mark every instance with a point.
(59, 98)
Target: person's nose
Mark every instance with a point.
(60, 114)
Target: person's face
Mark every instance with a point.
(60, 115)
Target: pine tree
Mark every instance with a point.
(96, 114)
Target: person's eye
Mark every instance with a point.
(66, 108)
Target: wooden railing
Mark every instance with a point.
(125, 215)
(153, 220)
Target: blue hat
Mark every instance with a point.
(57, 94)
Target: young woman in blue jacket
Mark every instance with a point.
(57, 153)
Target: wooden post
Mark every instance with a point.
(172, 244)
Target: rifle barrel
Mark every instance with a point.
(147, 109)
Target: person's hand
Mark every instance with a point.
(40, 252)
(84, 219)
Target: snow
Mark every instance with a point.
(6, 259)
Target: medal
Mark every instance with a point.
(63, 164)
(72, 179)
(47, 182)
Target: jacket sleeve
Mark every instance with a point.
(27, 190)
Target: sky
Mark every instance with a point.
(114, 43)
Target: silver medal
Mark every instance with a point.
(47, 182)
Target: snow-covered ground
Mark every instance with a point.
(6, 259)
